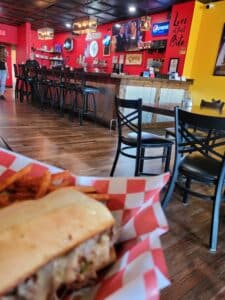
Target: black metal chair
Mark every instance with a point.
(4, 144)
(199, 160)
(131, 136)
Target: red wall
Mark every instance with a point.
(80, 44)
(24, 43)
(8, 34)
(177, 39)
(180, 22)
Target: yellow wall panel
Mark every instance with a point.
(206, 30)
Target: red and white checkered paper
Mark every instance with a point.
(140, 270)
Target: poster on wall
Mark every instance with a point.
(133, 59)
(127, 36)
(106, 44)
(220, 61)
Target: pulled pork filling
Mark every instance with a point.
(74, 269)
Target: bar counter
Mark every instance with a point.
(152, 91)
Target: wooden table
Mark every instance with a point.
(168, 110)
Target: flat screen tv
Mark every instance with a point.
(127, 36)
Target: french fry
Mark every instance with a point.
(85, 189)
(45, 183)
(11, 179)
(99, 197)
(54, 187)
(21, 186)
(59, 177)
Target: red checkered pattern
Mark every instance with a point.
(140, 270)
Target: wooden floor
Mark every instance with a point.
(195, 273)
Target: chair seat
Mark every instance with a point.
(147, 138)
(170, 131)
(200, 167)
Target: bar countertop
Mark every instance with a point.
(141, 78)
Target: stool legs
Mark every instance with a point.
(86, 104)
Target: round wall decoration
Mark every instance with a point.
(93, 48)
(68, 44)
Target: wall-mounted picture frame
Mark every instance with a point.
(106, 44)
(173, 65)
(219, 69)
(106, 50)
(133, 59)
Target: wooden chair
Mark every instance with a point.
(131, 136)
(200, 160)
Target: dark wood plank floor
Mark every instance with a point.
(195, 273)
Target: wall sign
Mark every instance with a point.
(160, 28)
(133, 59)
(93, 36)
(93, 48)
(179, 28)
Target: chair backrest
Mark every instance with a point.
(214, 104)
(16, 73)
(129, 116)
(188, 141)
(79, 77)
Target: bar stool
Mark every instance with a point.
(87, 93)
(18, 81)
(24, 90)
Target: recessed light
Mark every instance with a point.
(68, 25)
(132, 9)
(117, 25)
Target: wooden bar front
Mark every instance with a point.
(152, 91)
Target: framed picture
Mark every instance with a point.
(106, 44)
(133, 59)
(220, 60)
(127, 36)
(173, 65)
(106, 50)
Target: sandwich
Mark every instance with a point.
(53, 245)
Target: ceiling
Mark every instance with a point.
(56, 13)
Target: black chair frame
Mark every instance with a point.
(208, 149)
(132, 122)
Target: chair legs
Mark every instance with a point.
(138, 164)
(187, 187)
(89, 104)
(216, 214)
(115, 160)
(172, 183)
(167, 150)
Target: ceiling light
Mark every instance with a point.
(45, 33)
(68, 25)
(132, 9)
(85, 25)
